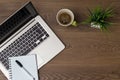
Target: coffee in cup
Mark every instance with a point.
(65, 17)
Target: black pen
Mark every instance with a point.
(20, 64)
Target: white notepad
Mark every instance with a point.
(29, 63)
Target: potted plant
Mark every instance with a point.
(98, 18)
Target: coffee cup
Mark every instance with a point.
(65, 17)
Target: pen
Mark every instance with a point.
(20, 65)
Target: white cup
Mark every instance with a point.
(69, 12)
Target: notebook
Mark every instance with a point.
(23, 68)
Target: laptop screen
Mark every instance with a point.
(15, 22)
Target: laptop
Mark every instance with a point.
(26, 33)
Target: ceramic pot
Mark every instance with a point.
(93, 25)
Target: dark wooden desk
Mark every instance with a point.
(90, 54)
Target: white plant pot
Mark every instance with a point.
(93, 25)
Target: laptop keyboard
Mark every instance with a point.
(24, 44)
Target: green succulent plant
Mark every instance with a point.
(100, 16)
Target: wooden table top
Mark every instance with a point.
(89, 54)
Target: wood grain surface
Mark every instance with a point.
(89, 54)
